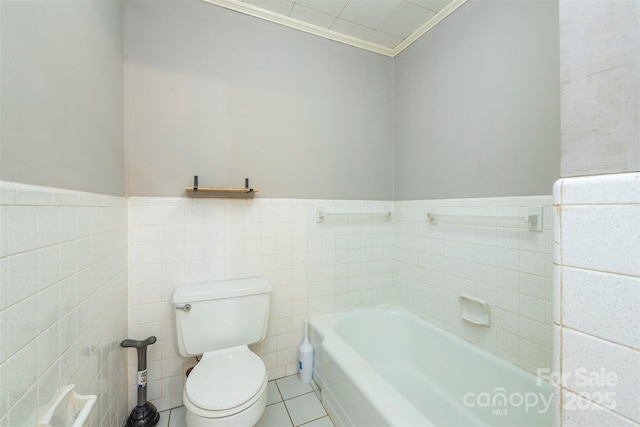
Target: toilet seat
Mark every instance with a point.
(225, 382)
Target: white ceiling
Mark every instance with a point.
(382, 26)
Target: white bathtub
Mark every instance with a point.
(387, 367)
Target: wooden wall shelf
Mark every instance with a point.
(235, 190)
(221, 190)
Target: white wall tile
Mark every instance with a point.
(68, 330)
(172, 234)
(35, 297)
(508, 238)
(557, 294)
(584, 355)
(23, 375)
(48, 225)
(235, 240)
(149, 313)
(21, 324)
(47, 307)
(533, 286)
(508, 279)
(48, 344)
(491, 258)
(508, 300)
(69, 259)
(579, 412)
(48, 267)
(48, 385)
(601, 304)
(68, 223)
(602, 189)
(172, 214)
(605, 238)
(3, 231)
(171, 367)
(23, 277)
(24, 412)
(22, 229)
(532, 241)
(3, 390)
(535, 331)
(508, 258)
(532, 355)
(32, 195)
(144, 215)
(533, 262)
(532, 308)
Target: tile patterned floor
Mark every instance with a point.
(290, 403)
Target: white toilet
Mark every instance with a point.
(228, 387)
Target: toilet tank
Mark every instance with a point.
(221, 315)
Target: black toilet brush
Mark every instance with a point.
(144, 414)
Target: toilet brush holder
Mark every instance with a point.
(144, 414)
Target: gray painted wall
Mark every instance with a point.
(225, 96)
(600, 78)
(477, 104)
(62, 106)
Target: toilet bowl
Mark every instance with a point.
(226, 388)
(218, 320)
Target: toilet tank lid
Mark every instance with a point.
(221, 289)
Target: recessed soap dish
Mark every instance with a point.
(69, 409)
(474, 310)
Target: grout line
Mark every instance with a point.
(593, 402)
(279, 394)
(600, 204)
(573, 267)
(315, 419)
(284, 404)
(300, 395)
(607, 340)
(288, 414)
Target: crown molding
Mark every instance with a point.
(435, 20)
(249, 9)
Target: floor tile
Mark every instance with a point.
(164, 419)
(302, 406)
(273, 394)
(320, 422)
(305, 408)
(177, 417)
(275, 416)
(292, 387)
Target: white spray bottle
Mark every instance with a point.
(305, 358)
